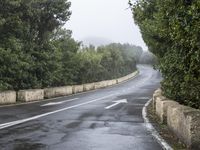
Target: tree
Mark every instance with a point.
(67, 49)
(36, 52)
(26, 27)
(171, 30)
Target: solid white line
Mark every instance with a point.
(58, 103)
(9, 124)
(153, 131)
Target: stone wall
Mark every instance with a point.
(88, 87)
(111, 82)
(184, 121)
(122, 79)
(77, 89)
(58, 91)
(30, 95)
(102, 84)
(7, 97)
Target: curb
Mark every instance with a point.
(153, 131)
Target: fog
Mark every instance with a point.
(103, 20)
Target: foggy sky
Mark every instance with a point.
(109, 19)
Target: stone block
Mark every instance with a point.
(185, 123)
(88, 87)
(77, 89)
(30, 95)
(111, 82)
(7, 97)
(57, 91)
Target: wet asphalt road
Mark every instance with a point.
(83, 123)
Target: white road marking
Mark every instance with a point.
(116, 103)
(9, 124)
(153, 131)
(58, 103)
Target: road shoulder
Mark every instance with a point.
(164, 136)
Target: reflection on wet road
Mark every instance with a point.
(87, 125)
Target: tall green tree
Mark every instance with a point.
(26, 28)
(67, 49)
(171, 30)
(36, 52)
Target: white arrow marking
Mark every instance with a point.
(58, 103)
(116, 103)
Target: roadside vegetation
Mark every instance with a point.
(171, 30)
(36, 52)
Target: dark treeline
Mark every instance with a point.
(171, 29)
(36, 52)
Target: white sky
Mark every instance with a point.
(109, 19)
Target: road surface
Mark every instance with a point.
(105, 119)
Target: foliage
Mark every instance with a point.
(28, 57)
(171, 30)
(36, 52)
(104, 63)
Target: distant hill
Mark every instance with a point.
(96, 41)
